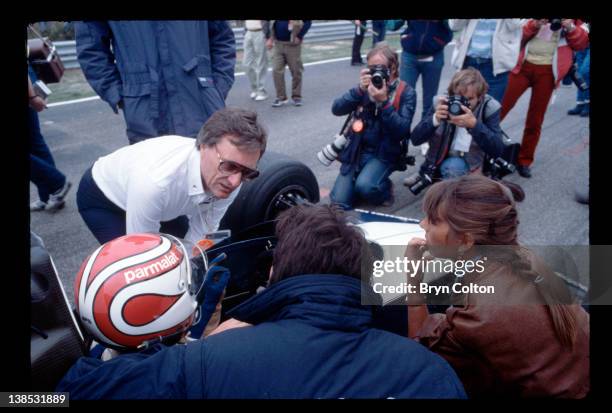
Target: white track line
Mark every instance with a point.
(321, 62)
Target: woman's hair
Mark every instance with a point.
(383, 49)
(468, 77)
(486, 209)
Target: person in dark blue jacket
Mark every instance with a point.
(168, 77)
(458, 143)
(423, 43)
(305, 336)
(379, 133)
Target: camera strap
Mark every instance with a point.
(43, 39)
(397, 94)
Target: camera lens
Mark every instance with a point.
(377, 80)
(324, 156)
(455, 109)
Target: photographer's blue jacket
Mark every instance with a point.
(425, 37)
(385, 128)
(171, 75)
(311, 339)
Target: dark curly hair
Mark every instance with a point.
(317, 239)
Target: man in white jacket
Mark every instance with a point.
(491, 46)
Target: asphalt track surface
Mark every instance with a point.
(79, 133)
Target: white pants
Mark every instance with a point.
(255, 59)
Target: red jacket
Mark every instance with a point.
(563, 58)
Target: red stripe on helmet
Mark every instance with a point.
(143, 309)
(121, 248)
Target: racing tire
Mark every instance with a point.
(281, 178)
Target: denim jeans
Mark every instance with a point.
(583, 61)
(410, 70)
(453, 167)
(497, 84)
(368, 181)
(47, 178)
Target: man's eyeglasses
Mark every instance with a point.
(227, 168)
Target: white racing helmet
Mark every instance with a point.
(135, 289)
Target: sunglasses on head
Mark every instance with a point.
(227, 167)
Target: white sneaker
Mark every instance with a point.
(56, 200)
(253, 95)
(37, 205)
(261, 96)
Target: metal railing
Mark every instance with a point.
(319, 32)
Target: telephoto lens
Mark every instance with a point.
(330, 152)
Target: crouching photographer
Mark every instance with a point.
(375, 143)
(462, 129)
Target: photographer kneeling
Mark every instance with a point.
(382, 108)
(460, 128)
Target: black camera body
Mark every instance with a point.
(426, 177)
(497, 168)
(455, 102)
(379, 73)
(555, 24)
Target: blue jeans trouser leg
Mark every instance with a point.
(453, 167)
(497, 84)
(343, 192)
(583, 61)
(379, 26)
(410, 70)
(372, 183)
(47, 178)
(369, 182)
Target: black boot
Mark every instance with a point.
(524, 171)
(577, 110)
(586, 110)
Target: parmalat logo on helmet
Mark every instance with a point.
(155, 268)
